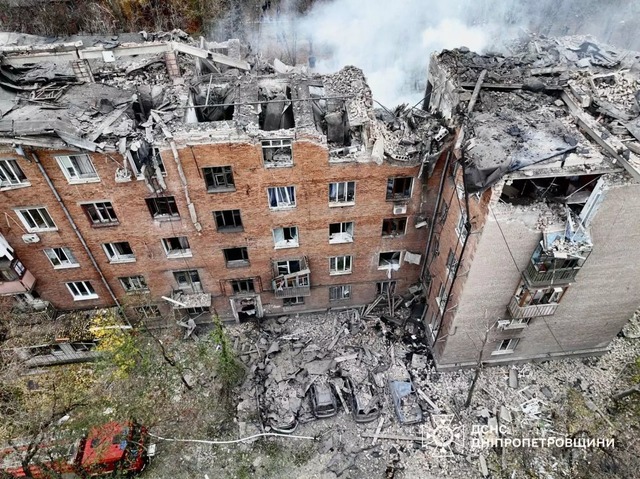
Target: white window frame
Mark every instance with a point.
(11, 175)
(505, 346)
(134, 284)
(178, 252)
(73, 171)
(441, 299)
(61, 258)
(340, 195)
(283, 196)
(382, 287)
(279, 240)
(81, 290)
(340, 292)
(334, 265)
(452, 263)
(102, 211)
(190, 285)
(115, 256)
(389, 265)
(461, 230)
(27, 214)
(345, 235)
(519, 323)
(276, 144)
(395, 221)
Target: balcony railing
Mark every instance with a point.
(291, 292)
(533, 277)
(530, 311)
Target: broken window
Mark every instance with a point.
(81, 290)
(188, 280)
(148, 311)
(61, 258)
(163, 207)
(11, 175)
(242, 286)
(236, 257)
(176, 247)
(277, 153)
(285, 237)
(528, 297)
(342, 193)
(452, 263)
(442, 297)
(389, 260)
(77, 168)
(228, 221)
(461, 227)
(146, 157)
(276, 109)
(36, 219)
(338, 293)
(282, 197)
(119, 252)
(341, 232)
(101, 213)
(506, 346)
(385, 287)
(399, 188)
(444, 212)
(394, 226)
(197, 311)
(340, 265)
(288, 267)
(218, 178)
(133, 284)
(213, 101)
(295, 301)
(11, 270)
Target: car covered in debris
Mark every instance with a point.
(323, 400)
(365, 401)
(405, 402)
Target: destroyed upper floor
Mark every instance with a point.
(110, 96)
(550, 107)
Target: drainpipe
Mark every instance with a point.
(183, 179)
(77, 232)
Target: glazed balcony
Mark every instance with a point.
(530, 311)
(540, 275)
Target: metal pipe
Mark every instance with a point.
(77, 232)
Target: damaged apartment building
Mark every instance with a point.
(180, 178)
(535, 207)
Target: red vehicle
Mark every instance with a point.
(105, 450)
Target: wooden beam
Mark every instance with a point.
(476, 91)
(611, 144)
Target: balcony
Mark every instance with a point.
(530, 311)
(190, 298)
(291, 278)
(23, 284)
(536, 275)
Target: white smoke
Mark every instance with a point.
(391, 40)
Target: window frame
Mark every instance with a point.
(452, 263)
(169, 204)
(336, 200)
(392, 195)
(75, 176)
(211, 178)
(461, 229)
(179, 252)
(137, 170)
(279, 191)
(29, 209)
(103, 210)
(9, 167)
(390, 265)
(334, 262)
(236, 217)
(137, 284)
(442, 297)
(86, 284)
(383, 287)
(236, 263)
(294, 242)
(402, 219)
(510, 345)
(250, 283)
(344, 235)
(70, 262)
(276, 144)
(344, 291)
(117, 257)
(293, 301)
(193, 285)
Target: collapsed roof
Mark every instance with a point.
(110, 96)
(563, 106)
